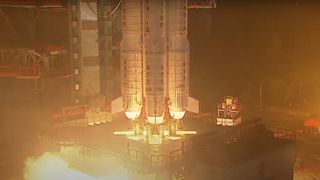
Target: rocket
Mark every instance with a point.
(155, 63)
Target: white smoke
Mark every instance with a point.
(51, 167)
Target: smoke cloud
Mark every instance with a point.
(51, 167)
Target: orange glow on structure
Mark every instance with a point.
(136, 138)
(123, 133)
(312, 123)
(155, 139)
(186, 132)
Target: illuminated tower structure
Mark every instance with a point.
(90, 32)
(155, 68)
(85, 49)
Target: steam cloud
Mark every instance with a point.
(51, 167)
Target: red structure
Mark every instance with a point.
(70, 113)
(48, 61)
(21, 63)
(312, 123)
(20, 71)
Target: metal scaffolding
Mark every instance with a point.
(105, 10)
(20, 63)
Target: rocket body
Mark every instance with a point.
(131, 58)
(178, 58)
(154, 59)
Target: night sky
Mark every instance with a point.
(239, 44)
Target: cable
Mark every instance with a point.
(91, 9)
(92, 89)
(110, 14)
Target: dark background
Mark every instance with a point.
(242, 43)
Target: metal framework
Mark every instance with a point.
(81, 116)
(32, 3)
(105, 10)
(196, 4)
(74, 45)
(90, 32)
(293, 134)
(20, 63)
(25, 63)
(156, 161)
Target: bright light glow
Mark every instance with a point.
(229, 101)
(136, 138)
(155, 119)
(228, 121)
(155, 139)
(186, 132)
(129, 133)
(166, 133)
(144, 133)
(51, 167)
(173, 138)
(147, 132)
(177, 114)
(90, 123)
(132, 115)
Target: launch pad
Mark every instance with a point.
(90, 149)
(95, 151)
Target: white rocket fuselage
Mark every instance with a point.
(131, 58)
(154, 59)
(178, 57)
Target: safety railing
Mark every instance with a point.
(201, 4)
(7, 71)
(155, 160)
(287, 134)
(28, 70)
